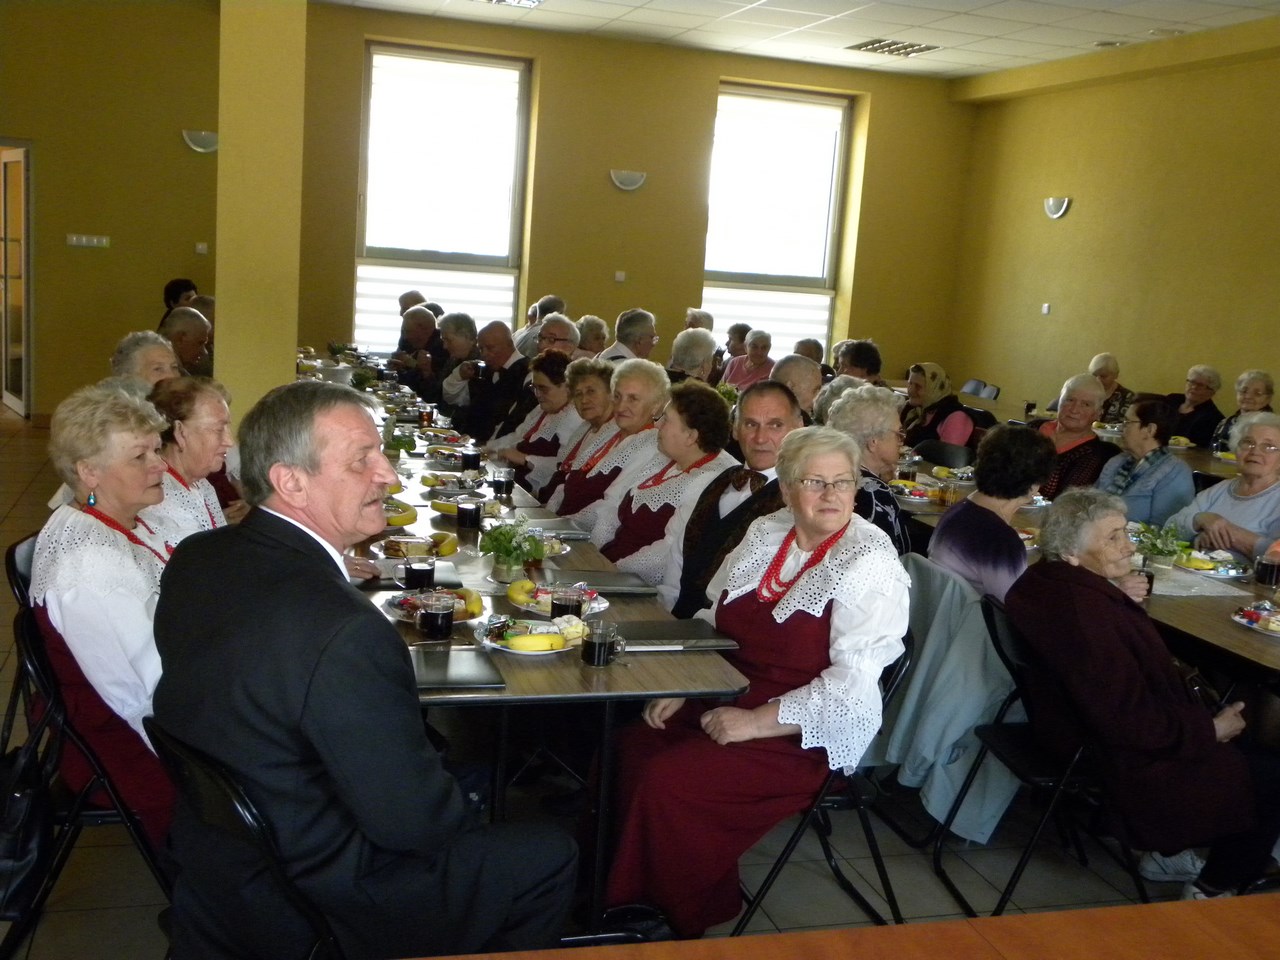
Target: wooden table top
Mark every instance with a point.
(1239, 928)
(559, 676)
(1208, 619)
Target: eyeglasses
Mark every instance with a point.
(661, 414)
(1248, 446)
(900, 434)
(548, 338)
(814, 485)
(1198, 385)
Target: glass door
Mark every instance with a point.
(15, 374)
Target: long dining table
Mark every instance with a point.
(558, 678)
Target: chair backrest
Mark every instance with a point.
(1203, 480)
(1009, 645)
(17, 567)
(989, 392)
(891, 677)
(218, 800)
(973, 386)
(944, 454)
(982, 419)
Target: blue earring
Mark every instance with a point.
(92, 499)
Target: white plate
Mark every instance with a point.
(916, 504)
(1037, 503)
(598, 604)
(378, 551)
(1215, 575)
(1253, 626)
(406, 617)
(548, 553)
(542, 626)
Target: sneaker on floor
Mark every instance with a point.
(1192, 892)
(1179, 868)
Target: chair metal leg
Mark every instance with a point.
(754, 900)
(852, 892)
(939, 871)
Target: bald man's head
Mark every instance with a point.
(495, 343)
(188, 331)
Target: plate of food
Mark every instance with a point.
(962, 474)
(530, 597)
(1226, 455)
(1216, 564)
(441, 435)
(455, 482)
(446, 453)
(1260, 616)
(449, 505)
(1028, 536)
(535, 638)
(1037, 503)
(1107, 431)
(1180, 443)
(467, 604)
(406, 548)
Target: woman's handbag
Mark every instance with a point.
(26, 828)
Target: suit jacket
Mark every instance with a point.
(494, 399)
(1106, 677)
(275, 665)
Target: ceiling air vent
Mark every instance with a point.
(892, 48)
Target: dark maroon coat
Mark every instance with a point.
(1170, 779)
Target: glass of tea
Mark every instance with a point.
(567, 600)
(435, 617)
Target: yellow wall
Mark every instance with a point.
(601, 104)
(1168, 255)
(103, 91)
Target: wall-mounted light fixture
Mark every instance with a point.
(627, 179)
(201, 141)
(1056, 207)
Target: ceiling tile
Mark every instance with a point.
(1172, 9)
(1118, 24)
(1003, 46)
(1027, 11)
(1229, 17)
(1060, 36)
(980, 26)
(898, 13)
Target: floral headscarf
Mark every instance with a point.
(936, 386)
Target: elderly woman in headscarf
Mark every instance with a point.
(933, 411)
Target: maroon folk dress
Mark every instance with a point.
(689, 808)
(137, 774)
(638, 527)
(541, 447)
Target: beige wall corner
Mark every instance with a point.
(260, 123)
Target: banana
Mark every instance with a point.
(536, 641)
(446, 543)
(431, 480)
(397, 512)
(521, 592)
(472, 602)
(445, 506)
(396, 487)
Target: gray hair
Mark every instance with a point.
(865, 412)
(632, 325)
(417, 315)
(1256, 376)
(832, 392)
(205, 304)
(800, 446)
(182, 319)
(813, 346)
(584, 367)
(756, 335)
(570, 329)
(691, 349)
(644, 370)
(457, 324)
(1083, 381)
(1104, 361)
(793, 364)
(124, 357)
(1206, 373)
(85, 422)
(281, 429)
(1242, 426)
(591, 325)
(698, 319)
(1069, 516)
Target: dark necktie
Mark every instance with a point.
(746, 475)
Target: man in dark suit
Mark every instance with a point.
(704, 531)
(496, 393)
(420, 355)
(276, 666)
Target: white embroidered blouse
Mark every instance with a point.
(839, 709)
(559, 426)
(186, 511)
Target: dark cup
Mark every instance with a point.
(600, 649)
(420, 575)
(470, 459)
(1267, 573)
(565, 608)
(907, 471)
(502, 486)
(1029, 409)
(435, 618)
(1150, 576)
(468, 516)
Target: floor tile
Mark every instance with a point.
(1053, 878)
(805, 895)
(128, 933)
(99, 877)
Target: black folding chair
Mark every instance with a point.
(17, 568)
(70, 812)
(945, 454)
(218, 800)
(973, 386)
(1015, 745)
(838, 792)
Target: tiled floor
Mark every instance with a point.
(106, 903)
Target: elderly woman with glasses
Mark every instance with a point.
(1106, 368)
(533, 447)
(95, 581)
(1242, 515)
(1153, 482)
(692, 430)
(1254, 390)
(1100, 674)
(1197, 414)
(869, 414)
(817, 601)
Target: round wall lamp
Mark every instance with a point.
(201, 141)
(627, 179)
(1056, 207)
